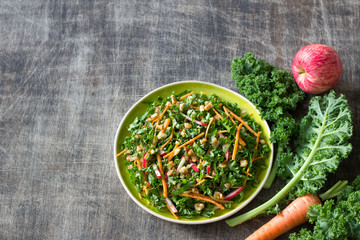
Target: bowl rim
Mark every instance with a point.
(210, 220)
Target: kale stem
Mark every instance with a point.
(334, 190)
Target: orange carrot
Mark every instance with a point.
(172, 212)
(160, 164)
(236, 141)
(117, 155)
(186, 95)
(164, 186)
(166, 124)
(204, 198)
(241, 120)
(183, 145)
(227, 114)
(293, 215)
(257, 140)
(162, 114)
(171, 136)
(217, 114)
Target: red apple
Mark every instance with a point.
(317, 68)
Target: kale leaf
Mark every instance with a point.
(335, 221)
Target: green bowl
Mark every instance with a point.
(139, 108)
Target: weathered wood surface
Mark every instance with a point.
(71, 69)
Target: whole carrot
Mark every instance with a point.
(293, 215)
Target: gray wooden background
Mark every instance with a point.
(69, 71)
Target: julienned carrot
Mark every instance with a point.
(171, 136)
(117, 155)
(227, 114)
(236, 141)
(241, 120)
(186, 95)
(183, 145)
(257, 140)
(218, 114)
(164, 186)
(207, 129)
(293, 215)
(166, 124)
(204, 198)
(162, 114)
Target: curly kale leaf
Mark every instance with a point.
(322, 143)
(335, 221)
(272, 90)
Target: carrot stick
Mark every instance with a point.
(217, 114)
(164, 186)
(236, 141)
(117, 155)
(204, 198)
(293, 215)
(257, 140)
(166, 124)
(162, 114)
(190, 141)
(160, 164)
(241, 120)
(227, 114)
(171, 136)
(186, 95)
(207, 129)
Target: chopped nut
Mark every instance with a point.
(162, 135)
(262, 141)
(181, 107)
(199, 206)
(217, 117)
(214, 142)
(170, 173)
(243, 113)
(191, 153)
(130, 166)
(176, 152)
(139, 148)
(202, 108)
(183, 133)
(152, 117)
(183, 170)
(218, 195)
(188, 125)
(152, 151)
(243, 163)
(170, 165)
(223, 165)
(159, 126)
(137, 136)
(208, 106)
(195, 190)
(203, 141)
(173, 100)
(194, 158)
(227, 185)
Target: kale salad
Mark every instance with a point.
(193, 154)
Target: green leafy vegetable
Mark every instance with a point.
(322, 144)
(335, 221)
(275, 94)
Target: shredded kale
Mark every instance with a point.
(205, 166)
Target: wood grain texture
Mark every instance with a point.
(69, 71)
